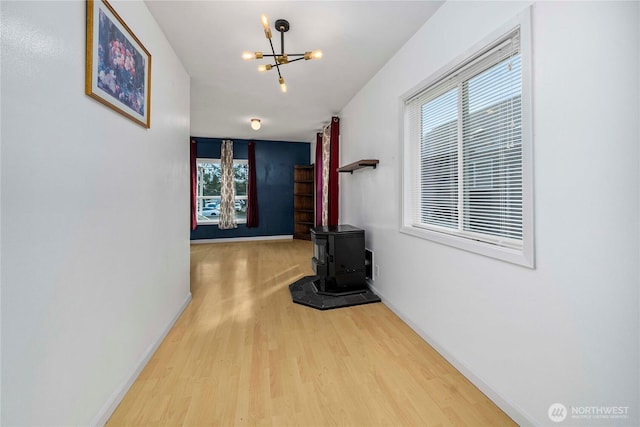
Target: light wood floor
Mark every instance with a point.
(243, 354)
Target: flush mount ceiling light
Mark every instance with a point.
(282, 25)
(255, 124)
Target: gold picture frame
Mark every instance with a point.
(118, 66)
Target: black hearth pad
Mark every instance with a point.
(304, 292)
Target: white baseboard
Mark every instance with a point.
(112, 403)
(240, 239)
(516, 414)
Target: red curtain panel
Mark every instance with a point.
(333, 171)
(318, 171)
(252, 191)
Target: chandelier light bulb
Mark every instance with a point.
(265, 25)
(248, 55)
(316, 54)
(255, 124)
(283, 86)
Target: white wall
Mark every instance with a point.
(0, 237)
(95, 220)
(568, 330)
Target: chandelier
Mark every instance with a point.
(282, 25)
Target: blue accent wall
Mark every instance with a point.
(274, 180)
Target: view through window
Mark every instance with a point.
(488, 198)
(208, 195)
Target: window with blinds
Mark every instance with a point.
(464, 136)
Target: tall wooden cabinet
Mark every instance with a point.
(303, 212)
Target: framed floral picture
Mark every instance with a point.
(118, 72)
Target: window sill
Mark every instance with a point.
(240, 221)
(514, 256)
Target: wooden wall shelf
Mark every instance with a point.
(366, 163)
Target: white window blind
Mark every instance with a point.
(466, 132)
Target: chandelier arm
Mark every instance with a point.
(273, 51)
(288, 54)
(294, 60)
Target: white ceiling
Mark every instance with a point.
(357, 38)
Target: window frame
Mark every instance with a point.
(523, 255)
(198, 198)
